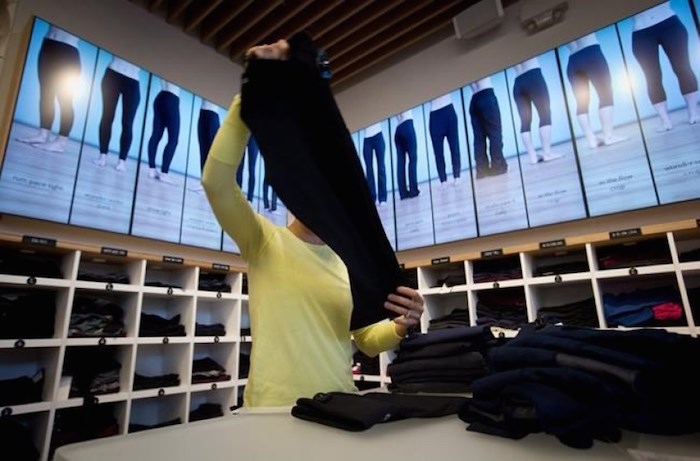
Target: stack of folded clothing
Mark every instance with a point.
(155, 325)
(359, 412)
(577, 314)
(27, 314)
(95, 317)
(206, 411)
(586, 384)
(642, 253)
(441, 361)
(458, 317)
(207, 370)
(94, 370)
(659, 306)
(151, 382)
(137, 427)
(491, 270)
(503, 307)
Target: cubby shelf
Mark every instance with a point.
(40, 345)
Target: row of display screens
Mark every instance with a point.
(606, 123)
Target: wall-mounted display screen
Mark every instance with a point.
(662, 52)
(43, 148)
(547, 157)
(268, 203)
(199, 225)
(373, 147)
(606, 123)
(498, 186)
(414, 214)
(614, 165)
(99, 142)
(106, 179)
(609, 122)
(450, 182)
(160, 187)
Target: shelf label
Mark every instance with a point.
(113, 251)
(552, 244)
(42, 241)
(626, 233)
(220, 267)
(492, 253)
(173, 260)
(441, 260)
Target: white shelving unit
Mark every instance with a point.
(168, 287)
(585, 277)
(138, 285)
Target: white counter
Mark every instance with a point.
(275, 435)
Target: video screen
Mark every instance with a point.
(43, 148)
(550, 171)
(199, 225)
(614, 166)
(498, 187)
(609, 122)
(450, 182)
(268, 203)
(374, 150)
(106, 178)
(160, 187)
(414, 214)
(662, 52)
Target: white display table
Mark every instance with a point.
(276, 435)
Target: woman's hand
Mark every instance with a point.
(408, 303)
(278, 50)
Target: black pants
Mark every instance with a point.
(56, 60)
(530, 89)
(207, 126)
(312, 163)
(672, 36)
(486, 123)
(406, 149)
(166, 116)
(116, 85)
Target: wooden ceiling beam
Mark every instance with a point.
(336, 17)
(358, 36)
(268, 31)
(249, 18)
(153, 5)
(220, 17)
(392, 41)
(196, 15)
(312, 15)
(176, 8)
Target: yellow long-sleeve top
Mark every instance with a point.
(300, 301)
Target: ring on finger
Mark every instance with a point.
(408, 314)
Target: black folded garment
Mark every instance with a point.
(312, 163)
(359, 412)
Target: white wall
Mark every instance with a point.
(452, 63)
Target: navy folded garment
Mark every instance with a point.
(311, 161)
(359, 412)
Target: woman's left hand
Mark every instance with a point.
(408, 303)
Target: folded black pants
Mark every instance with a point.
(311, 162)
(359, 412)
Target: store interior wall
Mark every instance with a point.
(127, 30)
